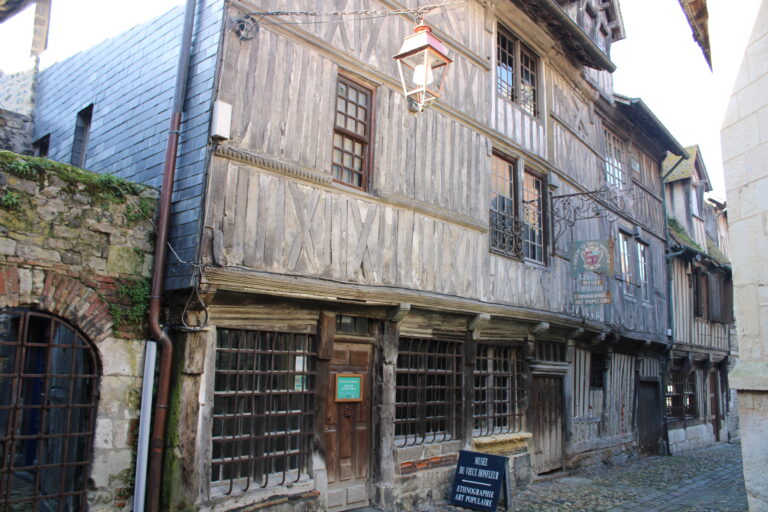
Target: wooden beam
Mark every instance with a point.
(399, 312)
(539, 328)
(576, 333)
(477, 323)
(597, 339)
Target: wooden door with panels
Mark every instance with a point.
(546, 422)
(347, 425)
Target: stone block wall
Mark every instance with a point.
(744, 140)
(17, 92)
(71, 245)
(15, 132)
(691, 438)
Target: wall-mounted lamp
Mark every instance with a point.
(425, 60)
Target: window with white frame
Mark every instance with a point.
(533, 217)
(642, 271)
(614, 160)
(516, 71)
(625, 259)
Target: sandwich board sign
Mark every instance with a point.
(480, 480)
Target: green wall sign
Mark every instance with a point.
(349, 387)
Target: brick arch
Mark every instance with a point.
(61, 295)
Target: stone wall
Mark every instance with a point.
(72, 244)
(129, 79)
(693, 438)
(744, 140)
(17, 92)
(15, 132)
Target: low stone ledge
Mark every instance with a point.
(502, 443)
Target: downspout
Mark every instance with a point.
(158, 274)
(670, 305)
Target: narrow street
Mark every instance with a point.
(707, 480)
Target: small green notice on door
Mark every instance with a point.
(349, 387)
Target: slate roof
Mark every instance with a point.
(637, 111)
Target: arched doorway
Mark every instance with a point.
(48, 394)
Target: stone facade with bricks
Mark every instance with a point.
(69, 249)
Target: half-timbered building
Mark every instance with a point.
(697, 394)
(357, 292)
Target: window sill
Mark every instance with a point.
(219, 491)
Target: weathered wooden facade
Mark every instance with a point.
(428, 254)
(423, 260)
(698, 403)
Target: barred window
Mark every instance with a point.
(428, 391)
(499, 390)
(505, 227)
(550, 351)
(352, 134)
(533, 216)
(681, 396)
(263, 407)
(614, 160)
(516, 71)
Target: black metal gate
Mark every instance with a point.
(649, 418)
(48, 394)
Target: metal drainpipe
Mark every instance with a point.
(164, 341)
(670, 305)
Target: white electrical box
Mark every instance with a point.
(222, 119)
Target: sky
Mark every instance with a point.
(658, 61)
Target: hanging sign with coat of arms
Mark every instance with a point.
(591, 263)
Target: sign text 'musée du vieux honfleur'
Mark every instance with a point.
(479, 481)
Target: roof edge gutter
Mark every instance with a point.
(589, 45)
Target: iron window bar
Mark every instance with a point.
(47, 414)
(499, 390)
(263, 408)
(681, 403)
(428, 391)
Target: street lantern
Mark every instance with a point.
(423, 63)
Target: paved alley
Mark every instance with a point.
(707, 480)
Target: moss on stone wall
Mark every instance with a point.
(102, 187)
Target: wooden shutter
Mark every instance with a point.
(727, 300)
(714, 287)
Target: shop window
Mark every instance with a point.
(681, 396)
(499, 390)
(263, 408)
(428, 391)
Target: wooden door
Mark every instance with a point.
(714, 405)
(545, 418)
(649, 418)
(347, 430)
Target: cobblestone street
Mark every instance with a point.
(706, 480)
